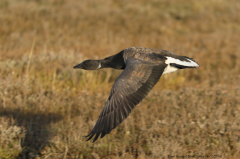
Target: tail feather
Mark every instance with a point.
(179, 63)
(181, 66)
(184, 62)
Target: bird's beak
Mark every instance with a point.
(78, 66)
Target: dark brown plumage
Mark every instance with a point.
(143, 68)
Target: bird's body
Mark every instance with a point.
(143, 68)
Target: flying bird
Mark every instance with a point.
(143, 68)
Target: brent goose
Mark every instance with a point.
(143, 68)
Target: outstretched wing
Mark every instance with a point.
(132, 85)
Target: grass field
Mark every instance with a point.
(46, 106)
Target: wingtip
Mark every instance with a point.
(96, 137)
(90, 135)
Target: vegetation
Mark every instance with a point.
(46, 107)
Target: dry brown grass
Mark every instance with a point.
(46, 106)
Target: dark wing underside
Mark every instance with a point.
(132, 85)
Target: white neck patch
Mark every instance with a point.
(99, 66)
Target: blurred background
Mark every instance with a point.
(46, 107)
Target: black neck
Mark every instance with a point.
(115, 61)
